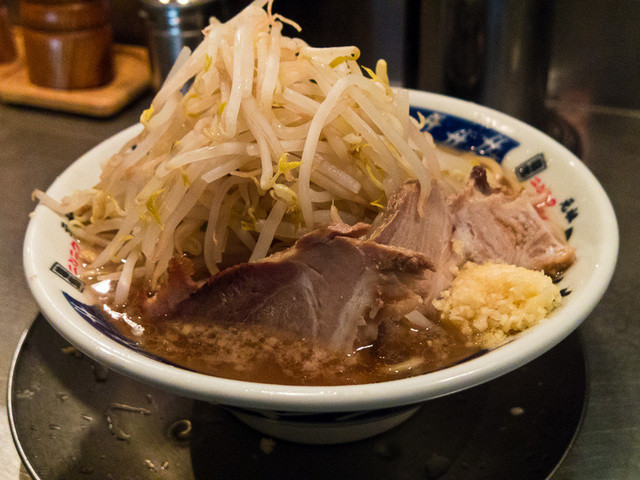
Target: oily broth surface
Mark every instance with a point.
(258, 354)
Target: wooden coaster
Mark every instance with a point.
(131, 79)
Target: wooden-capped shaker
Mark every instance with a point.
(67, 42)
(7, 47)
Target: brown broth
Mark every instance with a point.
(257, 354)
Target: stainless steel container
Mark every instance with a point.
(493, 52)
(173, 24)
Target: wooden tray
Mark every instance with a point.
(132, 77)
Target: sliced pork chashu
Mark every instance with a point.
(431, 235)
(329, 287)
(482, 223)
(402, 226)
(336, 285)
(493, 226)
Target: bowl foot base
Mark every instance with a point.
(316, 430)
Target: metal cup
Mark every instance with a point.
(493, 52)
(171, 25)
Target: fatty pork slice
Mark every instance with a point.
(493, 226)
(431, 234)
(178, 287)
(401, 225)
(326, 287)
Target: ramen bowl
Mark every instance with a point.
(331, 414)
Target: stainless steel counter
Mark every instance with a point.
(36, 145)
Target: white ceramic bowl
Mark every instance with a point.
(575, 197)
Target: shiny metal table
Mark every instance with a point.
(37, 145)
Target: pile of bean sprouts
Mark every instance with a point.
(273, 138)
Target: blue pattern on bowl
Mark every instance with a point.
(102, 324)
(462, 134)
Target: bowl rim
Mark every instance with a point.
(393, 393)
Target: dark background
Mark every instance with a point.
(595, 46)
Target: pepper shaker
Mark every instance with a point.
(67, 42)
(7, 47)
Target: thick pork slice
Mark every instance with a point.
(336, 285)
(178, 287)
(401, 226)
(325, 287)
(479, 224)
(493, 226)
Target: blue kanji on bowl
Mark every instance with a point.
(466, 135)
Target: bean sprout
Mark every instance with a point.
(272, 139)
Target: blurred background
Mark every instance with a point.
(593, 53)
(592, 44)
